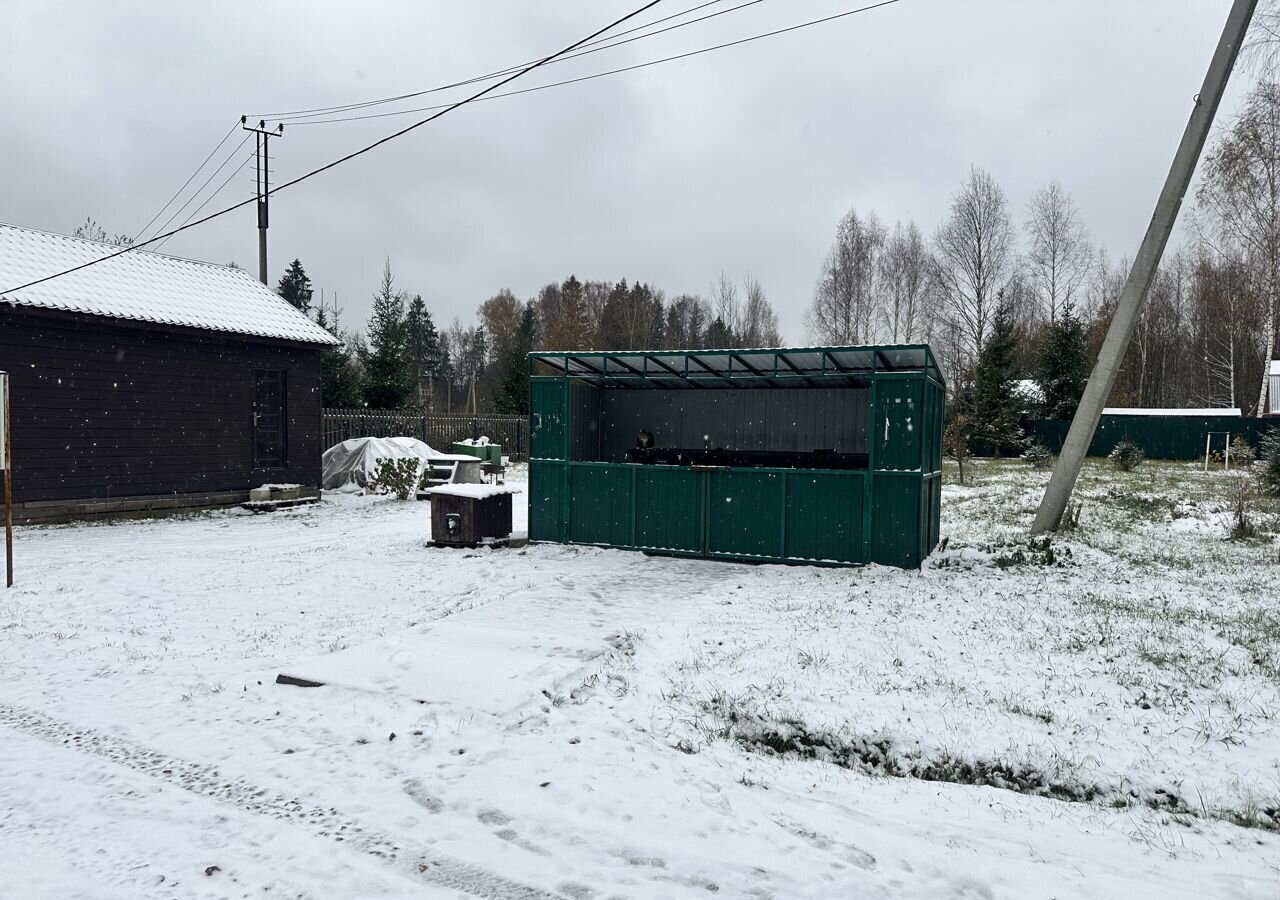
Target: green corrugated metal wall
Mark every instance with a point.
(1160, 437)
(745, 513)
(888, 514)
(601, 504)
(824, 516)
(671, 514)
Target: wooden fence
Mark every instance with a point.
(512, 432)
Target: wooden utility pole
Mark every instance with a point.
(1120, 333)
(6, 463)
(262, 163)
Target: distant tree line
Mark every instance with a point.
(402, 360)
(1009, 302)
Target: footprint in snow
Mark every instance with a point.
(848, 852)
(418, 794)
(493, 817)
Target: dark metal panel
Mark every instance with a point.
(824, 516)
(546, 496)
(584, 421)
(600, 508)
(900, 423)
(546, 418)
(669, 509)
(735, 419)
(897, 520)
(744, 509)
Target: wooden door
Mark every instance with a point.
(269, 419)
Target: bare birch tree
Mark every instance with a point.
(1060, 258)
(726, 306)
(844, 300)
(905, 285)
(974, 252)
(1241, 190)
(1262, 48)
(759, 322)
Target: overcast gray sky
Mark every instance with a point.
(741, 160)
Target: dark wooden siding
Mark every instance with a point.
(103, 408)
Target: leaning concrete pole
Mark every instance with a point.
(1129, 305)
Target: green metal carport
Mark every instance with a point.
(817, 455)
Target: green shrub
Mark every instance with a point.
(1269, 475)
(1038, 455)
(1126, 455)
(399, 476)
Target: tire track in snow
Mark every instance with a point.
(327, 822)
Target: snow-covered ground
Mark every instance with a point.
(605, 724)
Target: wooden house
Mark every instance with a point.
(148, 383)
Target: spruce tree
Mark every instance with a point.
(574, 331)
(995, 412)
(295, 287)
(719, 335)
(513, 392)
(339, 372)
(1063, 368)
(423, 344)
(388, 372)
(612, 333)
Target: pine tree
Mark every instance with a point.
(388, 373)
(995, 412)
(423, 343)
(295, 287)
(612, 329)
(572, 330)
(513, 392)
(719, 335)
(339, 372)
(1063, 367)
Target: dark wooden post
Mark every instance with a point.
(6, 463)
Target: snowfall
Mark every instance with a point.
(1090, 718)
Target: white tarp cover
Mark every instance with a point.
(352, 464)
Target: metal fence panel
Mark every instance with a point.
(1160, 437)
(512, 432)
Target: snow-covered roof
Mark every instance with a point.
(1199, 413)
(145, 287)
(473, 491)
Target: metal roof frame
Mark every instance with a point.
(777, 367)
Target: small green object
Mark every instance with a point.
(489, 453)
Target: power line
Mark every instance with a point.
(631, 68)
(301, 118)
(347, 107)
(212, 175)
(378, 143)
(195, 212)
(449, 108)
(190, 178)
